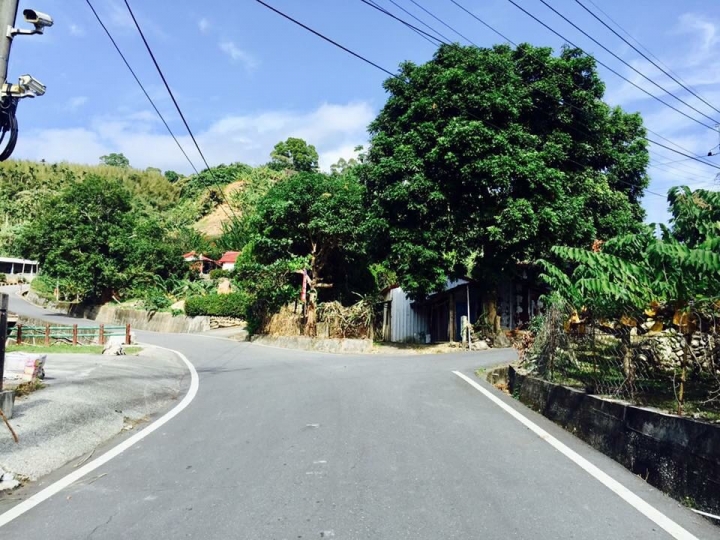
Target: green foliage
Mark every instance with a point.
(343, 166)
(219, 273)
(267, 286)
(3, 278)
(218, 305)
(155, 299)
(115, 160)
(493, 156)
(237, 232)
(93, 239)
(318, 218)
(294, 154)
(633, 271)
(215, 178)
(172, 176)
(25, 186)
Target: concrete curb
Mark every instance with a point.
(347, 346)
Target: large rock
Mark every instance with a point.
(501, 341)
(224, 286)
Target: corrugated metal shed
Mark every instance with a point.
(406, 323)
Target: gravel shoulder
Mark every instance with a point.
(87, 400)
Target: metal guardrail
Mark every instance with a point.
(74, 334)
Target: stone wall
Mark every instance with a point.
(678, 455)
(142, 320)
(115, 315)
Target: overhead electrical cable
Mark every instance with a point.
(603, 64)
(357, 55)
(666, 72)
(511, 42)
(179, 110)
(137, 80)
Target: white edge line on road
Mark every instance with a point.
(672, 528)
(74, 476)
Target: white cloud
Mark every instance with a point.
(238, 55)
(334, 129)
(76, 30)
(119, 16)
(692, 58)
(75, 103)
(204, 25)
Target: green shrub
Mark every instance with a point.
(219, 273)
(217, 305)
(155, 299)
(3, 278)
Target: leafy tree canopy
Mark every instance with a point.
(629, 273)
(483, 158)
(172, 176)
(315, 222)
(92, 236)
(213, 178)
(115, 160)
(295, 154)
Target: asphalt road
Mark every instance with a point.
(282, 444)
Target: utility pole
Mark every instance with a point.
(8, 14)
(27, 85)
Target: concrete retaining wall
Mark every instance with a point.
(137, 319)
(311, 344)
(142, 320)
(678, 455)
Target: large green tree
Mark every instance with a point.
(485, 158)
(115, 160)
(294, 154)
(316, 219)
(93, 236)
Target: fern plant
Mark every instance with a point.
(630, 272)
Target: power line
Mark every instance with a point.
(443, 23)
(606, 49)
(177, 106)
(321, 36)
(668, 73)
(608, 67)
(487, 25)
(137, 80)
(418, 19)
(429, 37)
(508, 40)
(403, 80)
(683, 154)
(628, 34)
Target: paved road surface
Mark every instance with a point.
(283, 444)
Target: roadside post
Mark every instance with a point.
(7, 397)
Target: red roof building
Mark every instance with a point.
(227, 261)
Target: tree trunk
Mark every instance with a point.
(490, 308)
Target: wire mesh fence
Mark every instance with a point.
(646, 364)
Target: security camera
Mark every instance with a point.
(40, 20)
(31, 86)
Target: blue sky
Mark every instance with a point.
(246, 78)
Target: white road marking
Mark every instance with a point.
(74, 476)
(712, 516)
(672, 528)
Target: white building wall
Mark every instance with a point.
(406, 323)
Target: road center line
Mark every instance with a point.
(74, 476)
(672, 528)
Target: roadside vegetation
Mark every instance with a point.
(484, 163)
